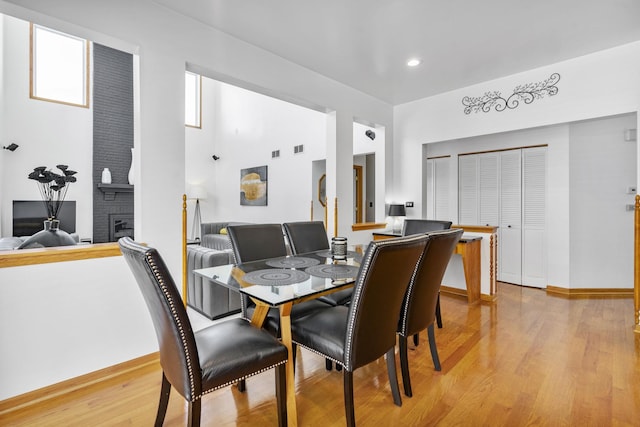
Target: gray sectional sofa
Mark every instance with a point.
(211, 236)
(207, 298)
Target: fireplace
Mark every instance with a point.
(120, 225)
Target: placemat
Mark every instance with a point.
(333, 271)
(293, 262)
(275, 277)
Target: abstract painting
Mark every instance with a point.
(253, 186)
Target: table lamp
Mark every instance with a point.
(395, 211)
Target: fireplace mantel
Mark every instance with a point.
(110, 190)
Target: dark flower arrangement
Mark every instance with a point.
(53, 187)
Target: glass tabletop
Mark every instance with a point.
(276, 281)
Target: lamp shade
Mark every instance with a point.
(197, 192)
(397, 210)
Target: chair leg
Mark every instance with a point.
(194, 413)
(242, 386)
(404, 366)
(433, 348)
(294, 351)
(165, 390)
(328, 364)
(348, 398)
(416, 339)
(338, 367)
(393, 376)
(281, 393)
(438, 315)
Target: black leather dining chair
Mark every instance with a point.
(197, 363)
(254, 242)
(356, 335)
(311, 236)
(418, 307)
(418, 226)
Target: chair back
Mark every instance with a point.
(419, 305)
(386, 270)
(178, 351)
(253, 242)
(306, 236)
(417, 226)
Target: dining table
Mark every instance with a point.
(282, 282)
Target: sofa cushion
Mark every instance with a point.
(204, 296)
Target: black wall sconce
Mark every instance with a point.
(11, 147)
(215, 157)
(370, 134)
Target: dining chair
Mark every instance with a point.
(418, 306)
(355, 335)
(418, 226)
(197, 363)
(253, 242)
(311, 236)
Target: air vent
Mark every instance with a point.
(275, 153)
(298, 149)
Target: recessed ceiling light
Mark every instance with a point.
(414, 62)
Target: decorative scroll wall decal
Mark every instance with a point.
(526, 93)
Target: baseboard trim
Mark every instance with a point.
(590, 292)
(453, 291)
(58, 390)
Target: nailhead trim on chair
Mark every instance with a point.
(240, 378)
(412, 282)
(338, 362)
(163, 287)
(364, 266)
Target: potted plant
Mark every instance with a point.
(53, 190)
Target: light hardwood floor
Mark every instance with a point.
(527, 359)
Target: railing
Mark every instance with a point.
(636, 267)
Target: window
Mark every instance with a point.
(193, 100)
(59, 67)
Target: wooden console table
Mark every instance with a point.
(469, 249)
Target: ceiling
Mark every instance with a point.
(365, 44)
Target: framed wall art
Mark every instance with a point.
(253, 186)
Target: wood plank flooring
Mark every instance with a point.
(527, 359)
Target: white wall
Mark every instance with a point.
(602, 167)
(62, 320)
(597, 85)
(48, 133)
(243, 128)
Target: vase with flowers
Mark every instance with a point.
(53, 188)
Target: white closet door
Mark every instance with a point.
(442, 189)
(430, 188)
(488, 177)
(509, 233)
(468, 189)
(534, 266)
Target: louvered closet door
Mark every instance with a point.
(488, 177)
(468, 189)
(534, 266)
(509, 233)
(438, 188)
(442, 189)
